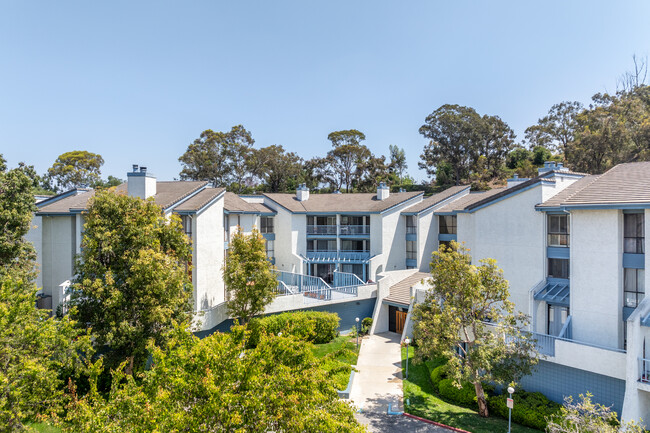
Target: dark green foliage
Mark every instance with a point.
(314, 326)
(438, 374)
(75, 169)
(465, 396)
(366, 324)
(531, 409)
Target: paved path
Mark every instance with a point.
(378, 383)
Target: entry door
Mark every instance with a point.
(324, 271)
(400, 318)
(557, 317)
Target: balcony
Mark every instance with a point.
(352, 230)
(338, 256)
(321, 230)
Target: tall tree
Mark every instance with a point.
(397, 162)
(371, 173)
(211, 385)
(275, 167)
(218, 157)
(249, 276)
(38, 355)
(452, 322)
(557, 129)
(132, 284)
(347, 157)
(454, 135)
(76, 169)
(497, 140)
(16, 212)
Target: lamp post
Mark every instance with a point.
(357, 320)
(407, 342)
(510, 404)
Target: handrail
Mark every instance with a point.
(342, 279)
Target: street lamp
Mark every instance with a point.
(357, 320)
(407, 342)
(510, 404)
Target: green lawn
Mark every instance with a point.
(425, 403)
(341, 353)
(44, 428)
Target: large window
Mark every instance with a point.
(355, 245)
(447, 224)
(633, 286)
(634, 233)
(411, 226)
(411, 250)
(186, 221)
(558, 268)
(270, 248)
(558, 230)
(266, 224)
(321, 245)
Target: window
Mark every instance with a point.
(411, 250)
(634, 233)
(321, 220)
(447, 224)
(558, 230)
(411, 226)
(270, 248)
(633, 286)
(558, 268)
(266, 224)
(321, 245)
(355, 245)
(186, 221)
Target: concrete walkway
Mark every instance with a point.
(378, 382)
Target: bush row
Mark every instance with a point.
(532, 408)
(313, 326)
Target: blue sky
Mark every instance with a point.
(137, 81)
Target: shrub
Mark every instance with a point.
(437, 374)
(366, 324)
(531, 408)
(465, 396)
(313, 326)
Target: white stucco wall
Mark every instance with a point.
(427, 239)
(58, 251)
(596, 276)
(35, 236)
(208, 256)
(290, 239)
(510, 231)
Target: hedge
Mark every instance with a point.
(530, 408)
(313, 326)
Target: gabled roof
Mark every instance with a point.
(199, 200)
(568, 192)
(353, 202)
(167, 194)
(503, 192)
(473, 197)
(400, 293)
(623, 184)
(435, 199)
(235, 204)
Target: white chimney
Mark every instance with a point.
(140, 183)
(382, 191)
(302, 193)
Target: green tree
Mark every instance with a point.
(586, 416)
(16, 212)
(274, 167)
(249, 276)
(76, 169)
(452, 322)
(397, 162)
(555, 131)
(213, 385)
(109, 183)
(371, 173)
(219, 157)
(132, 284)
(347, 157)
(459, 137)
(38, 355)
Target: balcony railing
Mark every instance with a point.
(338, 256)
(644, 370)
(345, 230)
(411, 229)
(321, 230)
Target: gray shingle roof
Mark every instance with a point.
(436, 199)
(471, 198)
(167, 193)
(199, 200)
(400, 293)
(234, 203)
(569, 191)
(623, 184)
(354, 202)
